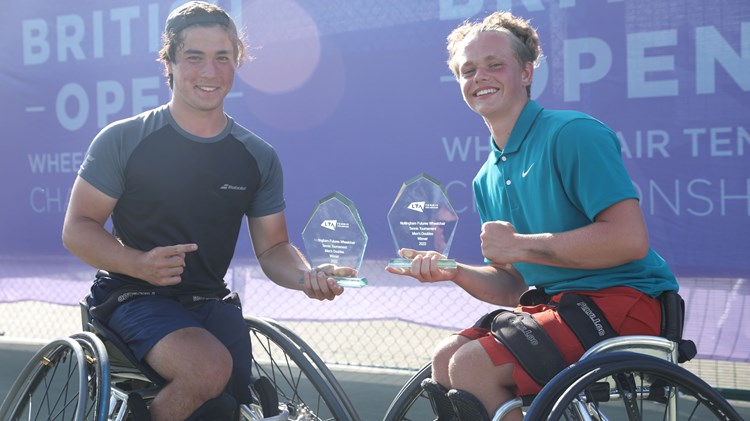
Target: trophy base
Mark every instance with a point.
(348, 282)
(406, 263)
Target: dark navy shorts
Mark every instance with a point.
(142, 322)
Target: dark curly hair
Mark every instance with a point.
(203, 14)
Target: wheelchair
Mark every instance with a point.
(92, 375)
(623, 378)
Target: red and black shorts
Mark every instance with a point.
(628, 311)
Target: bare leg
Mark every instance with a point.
(197, 368)
(442, 356)
(472, 370)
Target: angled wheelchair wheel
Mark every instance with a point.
(61, 382)
(319, 365)
(629, 386)
(291, 367)
(411, 402)
(97, 365)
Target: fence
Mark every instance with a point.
(393, 323)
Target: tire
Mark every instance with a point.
(305, 391)
(98, 374)
(55, 385)
(410, 402)
(319, 365)
(617, 386)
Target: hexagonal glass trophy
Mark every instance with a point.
(422, 218)
(335, 234)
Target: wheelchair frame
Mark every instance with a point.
(87, 377)
(569, 394)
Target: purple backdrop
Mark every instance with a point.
(356, 98)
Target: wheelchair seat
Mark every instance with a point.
(123, 362)
(124, 366)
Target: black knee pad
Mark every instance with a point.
(438, 399)
(267, 396)
(220, 408)
(138, 408)
(467, 407)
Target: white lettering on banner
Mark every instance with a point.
(645, 144)
(649, 57)
(49, 200)
(697, 197)
(640, 65)
(574, 74)
(35, 45)
(55, 163)
(70, 39)
(718, 141)
(712, 48)
(110, 97)
(69, 34)
(459, 149)
(76, 94)
(73, 106)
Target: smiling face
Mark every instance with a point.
(493, 82)
(203, 70)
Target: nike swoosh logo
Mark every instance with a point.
(523, 174)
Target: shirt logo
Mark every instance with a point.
(525, 173)
(231, 187)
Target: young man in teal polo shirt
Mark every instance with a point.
(559, 212)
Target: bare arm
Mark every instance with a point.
(618, 235)
(285, 265)
(84, 235)
(493, 284)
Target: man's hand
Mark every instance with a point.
(163, 266)
(319, 283)
(424, 266)
(499, 242)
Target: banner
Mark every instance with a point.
(356, 97)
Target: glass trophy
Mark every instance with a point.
(422, 218)
(335, 234)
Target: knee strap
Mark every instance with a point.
(138, 408)
(529, 344)
(672, 320)
(585, 319)
(269, 400)
(220, 408)
(441, 405)
(467, 407)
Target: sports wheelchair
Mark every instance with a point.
(621, 378)
(92, 375)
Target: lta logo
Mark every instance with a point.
(329, 224)
(416, 206)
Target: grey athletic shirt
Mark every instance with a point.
(176, 188)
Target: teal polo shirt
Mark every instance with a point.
(558, 170)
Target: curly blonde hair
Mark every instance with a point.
(524, 38)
